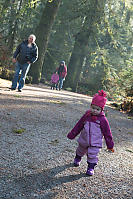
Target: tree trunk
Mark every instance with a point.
(81, 43)
(76, 60)
(42, 33)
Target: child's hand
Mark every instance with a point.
(111, 150)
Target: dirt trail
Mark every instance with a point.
(36, 162)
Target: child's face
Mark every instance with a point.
(95, 110)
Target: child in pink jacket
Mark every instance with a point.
(92, 127)
(54, 80)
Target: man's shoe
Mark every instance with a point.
(19, 90)
(12, 89)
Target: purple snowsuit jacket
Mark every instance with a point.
(92, 129)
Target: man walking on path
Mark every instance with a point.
(25, 54)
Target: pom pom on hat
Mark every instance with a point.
(99, 99)
(102, 93)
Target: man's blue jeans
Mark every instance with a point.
(24, 68)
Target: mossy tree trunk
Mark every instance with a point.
(81, 43)
(42, 33)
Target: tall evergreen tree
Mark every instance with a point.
(13, 22)
(94, 14)
(43, 32)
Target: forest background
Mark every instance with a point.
(93, 37)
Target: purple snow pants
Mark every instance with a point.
(91, 152)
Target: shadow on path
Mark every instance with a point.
(46, 180)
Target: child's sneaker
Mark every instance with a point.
(77, 161)
(90, 169)
(90, 172)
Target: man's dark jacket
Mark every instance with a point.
(25, 54)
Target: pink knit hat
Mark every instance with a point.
(99, 99)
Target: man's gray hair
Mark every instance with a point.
(34, 37)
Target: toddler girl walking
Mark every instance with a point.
(54, 80)
(92, 127)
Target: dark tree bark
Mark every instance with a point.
(81, 43)
(42, 33)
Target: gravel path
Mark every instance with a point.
(37, 163)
